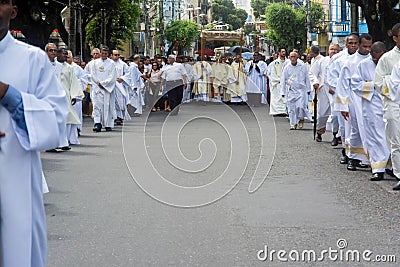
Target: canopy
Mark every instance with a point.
(234, 36)
(207, 52)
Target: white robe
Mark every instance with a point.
(23, 219)
(72, 89)
(189, 79)
(332, 77)
(256, 80)
(104, 99)
(344, 101)
(391, 109)
(137, 87)
(318, 70)
(202, 73)
(277, 104)
(371, 111)
(121, 92)
(295, 84)
(237, 90)
(222, 78)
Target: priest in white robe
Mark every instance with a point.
(222, 78)
(295, 84)
(256, 83)
(277, 104)
(73, 91)
(121, 92)
(33, 111)
(371, 110)
(104, 77)
(137, 86)
(202, 77)
(237, 90)
(347, 105)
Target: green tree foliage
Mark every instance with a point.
(287, 25)
(120, 16)
(121, 24)
(182, 32)
(225, 11)
(259, 6)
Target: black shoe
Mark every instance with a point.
(344, 160)
(334, 141)
(378, 176)
(97, 127)
(318, 138)
(351, 165)
(108, 129)
(362, 165)
(397, 186)
(52, 150)
(65, 148)
(391, 174)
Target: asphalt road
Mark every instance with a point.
(107, 207)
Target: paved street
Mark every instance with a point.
(98, 215)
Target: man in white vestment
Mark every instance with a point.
(73, 90)
(256, 83)
(295, 84)
(64, 76)
(202, 77)
(121, 92)
(346, 103)
(371, 110)
(277, 104)
(223, 76)
(391, 109)
(189, 70)
(237, 90)
(318, 70)
(137, 85)
(335, 67)
(83, 81)
(33, 111)
(88, 69)
(104, 77)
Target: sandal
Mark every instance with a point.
(153, 109)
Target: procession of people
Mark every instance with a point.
(355, 102)
(357, 93)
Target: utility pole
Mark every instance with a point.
(309, 39)
(103, 26)
(72, 27)
(80, 30)
(354, 18)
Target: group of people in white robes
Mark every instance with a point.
(360, 97)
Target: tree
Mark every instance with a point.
(287, 25)
(120, 25)
(181, 33)
(38, 28)
(380, 17)
(225, 11)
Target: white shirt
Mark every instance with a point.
(173, 72)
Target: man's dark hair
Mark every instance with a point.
(365, 36)
(314, 49)
(280, 49)
(352, 35)
(378, 47)
(396, 29)
(105, 48)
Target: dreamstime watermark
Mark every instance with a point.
(340, 253)
(156, 151)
